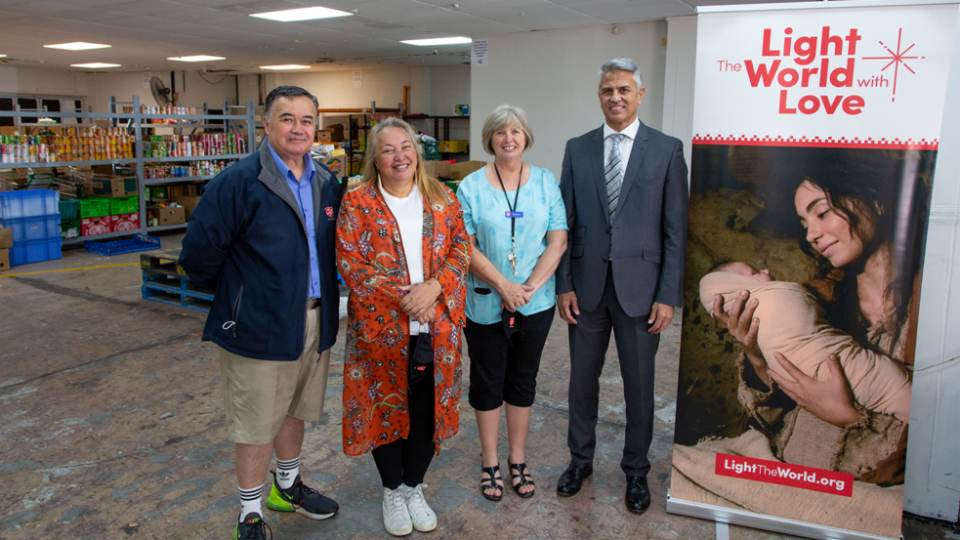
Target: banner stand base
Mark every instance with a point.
(761, 521)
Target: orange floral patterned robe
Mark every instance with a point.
(371, 260)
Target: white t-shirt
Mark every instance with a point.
(408, 212)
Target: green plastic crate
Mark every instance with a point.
(69, 209)
(157, 192)
(453, 185)
(70, 228)
(94, 207)
(124, 205)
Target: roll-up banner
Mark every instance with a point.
(815, 141)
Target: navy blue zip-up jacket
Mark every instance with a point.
(247, 241)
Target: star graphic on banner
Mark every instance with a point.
(896, 58)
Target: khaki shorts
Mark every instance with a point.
(259, 394)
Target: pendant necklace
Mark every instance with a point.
(513, 215)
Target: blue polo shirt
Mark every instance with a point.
(303, 192)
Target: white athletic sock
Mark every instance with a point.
(250, 501)
(287, 472)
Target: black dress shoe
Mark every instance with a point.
(638, 494)
(572, 479)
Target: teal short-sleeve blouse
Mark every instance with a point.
(485, 215)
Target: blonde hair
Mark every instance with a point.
(430, 188)
(501, 117)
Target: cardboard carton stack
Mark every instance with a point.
(6, 242)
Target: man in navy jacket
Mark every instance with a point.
(262, 237)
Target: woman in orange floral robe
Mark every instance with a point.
(372, 260)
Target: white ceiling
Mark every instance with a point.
(144, 33)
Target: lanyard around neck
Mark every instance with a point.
(513, 208)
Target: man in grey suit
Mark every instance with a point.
(625, 189)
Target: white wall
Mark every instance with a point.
(433, 90)
(933, 463)
(96, 88)
(678, 81)
(192, 89)
(552, 75)
(334, 89)
(448, 88)
(37, 81)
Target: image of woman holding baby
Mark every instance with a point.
(869, 285)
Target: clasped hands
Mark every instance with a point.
(420, 300)
(515, 295)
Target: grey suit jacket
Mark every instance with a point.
(645, 242)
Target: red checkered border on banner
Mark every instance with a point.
(826, 142)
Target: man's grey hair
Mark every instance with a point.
(288, 92)
(501, 117)
(621, 64)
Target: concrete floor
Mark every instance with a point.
(113, 428)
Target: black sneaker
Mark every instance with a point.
(252, 528)
(301, 499)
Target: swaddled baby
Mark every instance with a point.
(793, 323)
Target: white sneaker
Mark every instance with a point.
(424, 520)
(396, 519)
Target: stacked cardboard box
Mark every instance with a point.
(6, 242)
(331, 134)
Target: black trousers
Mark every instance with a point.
(407, 460)
(637, 349)
(505, 369)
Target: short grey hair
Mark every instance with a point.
(288, 92)
(501, 117)
(621, 64)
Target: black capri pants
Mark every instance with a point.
(505, 370)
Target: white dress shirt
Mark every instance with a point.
(626, 144)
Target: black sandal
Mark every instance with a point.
(516, 471)
(491, 483)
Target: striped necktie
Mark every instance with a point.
(613, 174)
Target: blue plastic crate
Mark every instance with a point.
(140, 242)
(28, 203)
(31, 251)
(33, 228)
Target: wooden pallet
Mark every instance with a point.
(161, 286)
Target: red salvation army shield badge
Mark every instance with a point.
(329, 210)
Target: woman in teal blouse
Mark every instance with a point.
(517, 224)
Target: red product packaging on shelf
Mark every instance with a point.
(96, 225)
(125, 222)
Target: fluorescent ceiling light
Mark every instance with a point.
(78, 46)
(438, 41)
(3, 56)
(196, 58)
(286, 66)
(302, 14)
(95, 65)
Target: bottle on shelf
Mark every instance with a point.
(74, 144)
(208, 144)
(194, 168)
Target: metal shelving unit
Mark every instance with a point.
(176, 180)
(139, 122)
(361, 122)
(446, 129)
